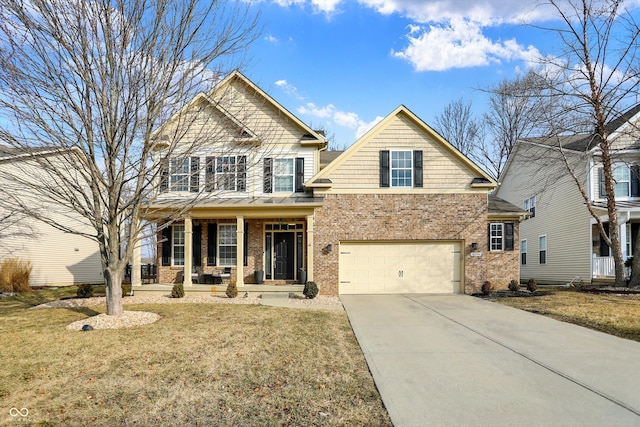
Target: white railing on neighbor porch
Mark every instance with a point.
(603, 266)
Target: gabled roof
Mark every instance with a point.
(321, 178)
(310, 136)
(499, 208)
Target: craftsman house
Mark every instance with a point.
(560, 241)
(400, 211)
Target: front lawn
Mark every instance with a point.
(611, 313)
(200, 364)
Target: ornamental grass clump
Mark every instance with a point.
(14, 275)
(232, 290)
(310, 290)
(514, 286)
(177, 291)
(532, 285)
(85, 290)
(487, 288)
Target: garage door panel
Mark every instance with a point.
(400, 267)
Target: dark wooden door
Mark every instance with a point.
(284, 256)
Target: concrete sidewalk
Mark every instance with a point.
(462, 361)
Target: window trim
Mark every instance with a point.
(523, 252)
(175, 242)
(529, 205)
(410, 169)
(289, 176)
(492, 237)
(542, 253)
(181, 184)
(222, 261)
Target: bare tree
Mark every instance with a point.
(94, 80)
(458, 126)
(514, 113)
(591, 82)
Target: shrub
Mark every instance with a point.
(232, 290)
(487, 288)
(514, 285)
(310, 290)
(85, 290)
(126, 290)
(14, 275)
(177, 291)
(532, 285)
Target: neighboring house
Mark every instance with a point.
(401, 210)
(560, 241)
(57, 258)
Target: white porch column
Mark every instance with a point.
(623, 240)
(136, 274)
(188, 250)
(310, 248)
(240, 251)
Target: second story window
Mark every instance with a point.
(530, 206)
(401, 168)
(226, 173)
(621, 181)
(179, 180)
(626, 181)
(283, 175)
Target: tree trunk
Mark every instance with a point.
(113, 281)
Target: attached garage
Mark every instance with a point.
(367, 267)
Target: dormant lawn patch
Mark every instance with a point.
(200, 364)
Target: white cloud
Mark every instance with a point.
(458, 44)
(332, 115)
(271, 39)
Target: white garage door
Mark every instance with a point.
(400, 267)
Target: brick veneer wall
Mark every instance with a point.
(410, 217)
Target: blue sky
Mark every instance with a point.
(342, 65)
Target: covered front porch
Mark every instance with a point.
(602, 264)
(246, 242)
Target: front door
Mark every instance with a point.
(284, 256)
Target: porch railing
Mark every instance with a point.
(603, 266)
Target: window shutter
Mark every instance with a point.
(246, 244)
(602, 189)
(604, 248)
(209, 174)
(166, 246)
(508, 236)
(268, 175)
(242, 173)
(635, 181)
(417, 168)
(196, 239)
(164, 175)
(299, 175)
(489, 236)
(212, 242)
(384, 168)
(194, 182)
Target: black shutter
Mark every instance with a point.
(210, 174)
(242, 173)
(164, 175)
(299, 175)
(417, 168)
(508, 236)
(604, 248)
(194, 182)
(635, 181)
(196, 239)
(212, 243)
(603, 190)
(268, 175)
(384, 168)
(246, 244)
(166, 246)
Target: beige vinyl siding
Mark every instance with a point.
(560, 215)
(441, 171)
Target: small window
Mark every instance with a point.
(622, 181)
(496, 238)
(179, 171)
(283, 175)
(523, 252)
(402, 168)
(227, 245)
(530, 206)
(178, 245)
(543, 249)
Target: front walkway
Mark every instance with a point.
(462, 361)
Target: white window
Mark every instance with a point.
(530, 206)
(543, 249)
(496, 240)
(179, 174)
(523, 252)
(227, 245)
(622, 181)
(283, 175)
(402, 168)
(230, 173)
(178, 245)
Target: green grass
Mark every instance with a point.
(614, 314)
(200, 364)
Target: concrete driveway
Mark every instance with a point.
(462, 361)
